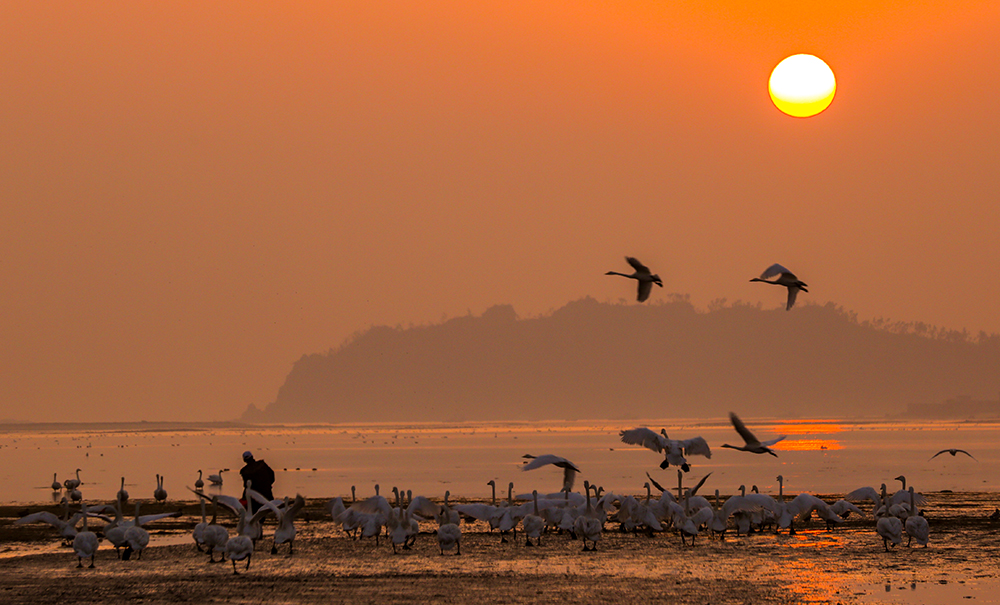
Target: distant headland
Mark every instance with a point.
(600, 360)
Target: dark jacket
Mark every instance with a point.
(261, 478)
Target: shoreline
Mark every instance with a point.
(846, 565)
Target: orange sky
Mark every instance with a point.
(194, 196)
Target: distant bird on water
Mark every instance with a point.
(952, 451)
(785, 278)
(642, 275)
(752, 444)
(569, 469)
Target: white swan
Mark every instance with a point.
(122, 493)
(215, 479)
(916, 526)
(533, 524)
(569, 469)
(785, 278)
(85, 543)
(751, 443)
(889, 527)
(449, 533)
(215, 536)
(285, 532)
(73, 483)
(159, 494)
(136, 540)
(589, 524)
(674, 449)
(642, 275)
(248, 529)
(198, 533)
(199, 483)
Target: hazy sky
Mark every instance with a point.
(195, 196)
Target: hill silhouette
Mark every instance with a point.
(600, 360)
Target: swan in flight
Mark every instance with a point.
(952, 451)
(569, 469)
(642, 275)
(674, 449)
(785, 278)
(751, 443)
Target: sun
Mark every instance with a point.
(802, 85)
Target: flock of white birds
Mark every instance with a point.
(582, 516)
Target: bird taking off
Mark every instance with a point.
(952, 451)
(752, 444)
(569, 469)
(785, 278)
(642, 275)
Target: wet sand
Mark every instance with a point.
(846, 565)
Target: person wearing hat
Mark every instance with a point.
(261, 478)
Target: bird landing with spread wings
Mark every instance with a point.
(569, 469)
(643, 275)
(674, 450)
(751, 443)
(785, 278)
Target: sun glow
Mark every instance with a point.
(802, 86)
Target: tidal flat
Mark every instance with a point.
(845, 565)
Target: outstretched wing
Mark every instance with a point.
(741, 428)
(696, 446)
(540, 461)
(569, 476)
(645, 287)
(694, 490)
(644, 437)
(772, 441)
(793, 291)
(655, 484)
(639, 267)
(773, 270)
(937, 454)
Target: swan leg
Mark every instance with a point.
(290, 553)
(235, 573)
(274, 549)
(92, 560)
(458, 548)
(248, 563)
(80, 563)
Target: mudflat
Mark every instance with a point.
(845, 565)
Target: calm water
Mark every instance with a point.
(321, 461)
